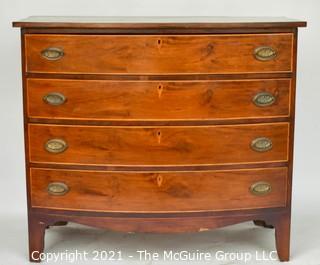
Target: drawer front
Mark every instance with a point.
(147, 146)
(158, 192)
(157, 100)
(162, 54)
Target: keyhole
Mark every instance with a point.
(160, 89)
(159, 136)
(159, 44)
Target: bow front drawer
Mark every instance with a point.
(159, 54)
(158, 191)
(105, 100)
(161, 146)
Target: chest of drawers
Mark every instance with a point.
(159, 124)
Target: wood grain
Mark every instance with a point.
(103, 100)
(158, 192)
(159, 31)
(162, 54)
(157, 22)
(162, 146)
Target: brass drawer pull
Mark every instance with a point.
(56, 146)
(261, 144)
(260, 188)
(264, 99)
(54, 99)
(52, 53)
(57, 188)
(265, 53)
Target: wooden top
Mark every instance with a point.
(158, 22)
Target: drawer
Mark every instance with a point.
(158, 54)
(157, 100)
(158, 191)
(147, 146)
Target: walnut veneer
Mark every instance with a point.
(159, 124)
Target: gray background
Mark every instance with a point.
(244, 237)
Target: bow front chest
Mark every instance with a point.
(159, 124)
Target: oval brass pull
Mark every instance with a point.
(52, 53)
(56, 146)
(54, 98)
(261, 144)
(264, 99)
(260, 188)
(265, 53)
(57, 188)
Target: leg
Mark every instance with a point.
(36, 238)
(282, 226)
(262, 224)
